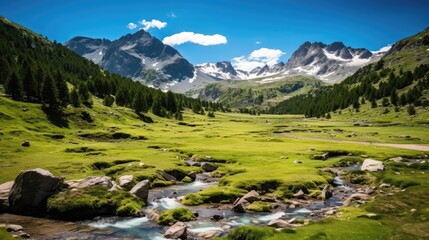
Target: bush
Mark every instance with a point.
(108, 101)
(170, 217)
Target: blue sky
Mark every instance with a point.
(277, 26)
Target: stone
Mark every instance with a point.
(330, 212)
(152, 214)
(141, 164)
(25, 144)
(355, 197)
(324, 156)
(385, 185)
(300, 194)
(5, 188)
(297, 162)
(177, 231)
(396, 159)
(14, 228)
(279, 223)
(210, 234)
(413, 210)
(192, 175)
(372, 165)
(104, 181)
(326, 193)
(251, 196)
(31, 189)
(126, 181)
(167, 176)
(238, 206)
(141, 190)
(208, 167)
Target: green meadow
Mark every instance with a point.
(253, 152)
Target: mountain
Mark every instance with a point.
(399, 79)
(330, 63)
(139, 56)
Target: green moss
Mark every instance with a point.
(92, 201)
(259, 206)
(169, 217)
(160, 183)
(250, 233)
(187, 179)
(5, 235)
(359, 177)
(214, 195)
(193, 199)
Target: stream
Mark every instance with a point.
(167, 198)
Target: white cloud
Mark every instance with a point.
(131, 25)
(257, 58)
(383, 49)
(198, 38)
(258, 42)
(152, 24)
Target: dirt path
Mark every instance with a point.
(416, 147)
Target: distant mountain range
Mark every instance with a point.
(145, 58)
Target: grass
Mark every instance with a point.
(253, 153)
(5, 235)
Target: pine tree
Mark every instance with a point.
(157, 108)
(75, 98)
(50, 93)
(63, 90)
(29, 83)
(373, 104)
(394, 98)
(411, 109)
(139, 102)
(108, 100)
(84, 94)
(171, 102)
(121, 96)
(13, 87)
(4, 69)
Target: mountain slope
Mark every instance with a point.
(135, 55)
(401, 77)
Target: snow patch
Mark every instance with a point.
(128, 47)
(333, 57)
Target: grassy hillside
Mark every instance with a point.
(260, 92)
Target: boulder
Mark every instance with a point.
(31, 189)
(372, 165)
(217, 217)
(152, 214)
(238, 206)
(320, 157)
(208, 167)
(25, 144)
(14, 228)
(396, 159)
(297, 162)
(326, 192)
(5, 188)
(177, 231)
(251, 196)
(104, 181)
(210, 234)
(192, 175)
(141, 190)
(356, 196)
(126, 181)
(167, 176)
(300, 194)
(279, 223)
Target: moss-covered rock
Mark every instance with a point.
(170, 217)
(89, 202)
(187, 179)
(214, 195)
(259, 206)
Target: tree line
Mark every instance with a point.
(33, 69)
(370, 83)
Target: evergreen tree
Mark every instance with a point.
(171, 102)
(385, 102)
(50, 93)
(13, 87)
(75, 98)
(121, 96)
(157, 108)
(108, 100)
(84, 94)
(402, 100)
(394, 98)
(4, 69)
(373, 104)
(411, 109)
(139, 102)
(63, 90)
(29, 83)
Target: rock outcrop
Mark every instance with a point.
(141, 190)
(31, 189)
(372, 165)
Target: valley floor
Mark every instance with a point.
(250, 150)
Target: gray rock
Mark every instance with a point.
(299, 194)
(104, 181)
(152, 214)
(297, 162)
(5, 188)
(396, 159)
(31, 189)
(356, 196)
(25, 144)
(178, 230)
(14, 228)
(167, 176)
(126, 181)
(208, 167)
(210, 234)
(279, 223)
(251, 196)
(372, 165)
(326, 192)
(141, 190)
(192, 175)
(238, 206)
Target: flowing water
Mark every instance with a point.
(166, 198)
